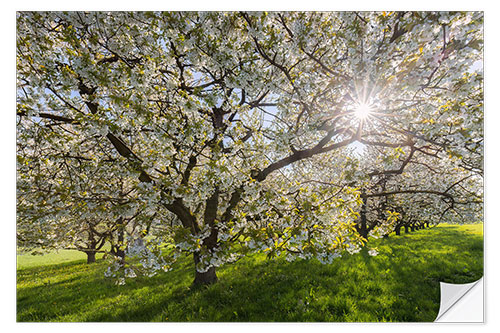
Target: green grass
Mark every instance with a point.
(52, 258)
(400, 284)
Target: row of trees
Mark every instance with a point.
(223, 134)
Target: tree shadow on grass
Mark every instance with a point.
(87, 295)
(400, 284)
(414, 269)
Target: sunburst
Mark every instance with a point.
(363, 110)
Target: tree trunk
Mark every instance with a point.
(120, 254)
(398, 230)
(206, 278)
(90, 257)
(120, 251)
(427, 224)
(412, 228)
(362, 227)
(407, 230)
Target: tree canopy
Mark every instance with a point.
(226, 133)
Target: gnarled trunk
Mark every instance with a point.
(204, 278)
(90, 257)
(407, 229)
(398, 230)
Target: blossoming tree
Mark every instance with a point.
(234, 131)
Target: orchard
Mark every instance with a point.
(152, 135)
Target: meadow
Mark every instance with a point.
(400, 284)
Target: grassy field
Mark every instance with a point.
(52, 258)
(400, 284)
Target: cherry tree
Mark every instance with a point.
(234, 131)
(426, 186)
(63, 201)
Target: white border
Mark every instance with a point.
(7, 160)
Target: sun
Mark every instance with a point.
(363, 110)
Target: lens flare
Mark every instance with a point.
(363, 110)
